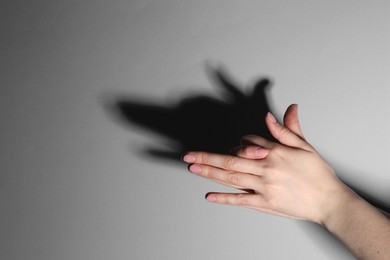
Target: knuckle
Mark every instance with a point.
(278, 150)
(233, 178)
(269, 170)
(204, 158)
(242, 199)
(284, 131)
(267, 167)
(225, 199)
(208, 172)
(232, 200)
(229, 162)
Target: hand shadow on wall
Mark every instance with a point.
(206, 123)
(200, 122)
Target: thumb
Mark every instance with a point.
(284, 135)
(291, 120)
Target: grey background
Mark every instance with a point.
(72, 182)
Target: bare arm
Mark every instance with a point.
(292, 180)
(387, 214)
(361, 227)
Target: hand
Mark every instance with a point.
(291, 179)
(250, 151)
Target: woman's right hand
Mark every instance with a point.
(288, 178)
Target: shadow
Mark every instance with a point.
(376, 202)
(205, 123)
(325, 241)
(215, 124)
(199, 122)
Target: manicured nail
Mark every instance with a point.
(195, 168)
(271, 117)
(189, 158)
(261, 152)
(211, 197)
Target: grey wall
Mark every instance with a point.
(73, 183)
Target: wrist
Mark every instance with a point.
(340, 204)
(363, 229)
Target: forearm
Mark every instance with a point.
(363, 229)
(387, 214)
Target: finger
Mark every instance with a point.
(227, 162)
(248, 200)
(291, 120)
(228, 178)
(238, 199)
(256, 140)
(284, 135)
(233, 186)
(251, 152)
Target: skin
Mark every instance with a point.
(291, 179)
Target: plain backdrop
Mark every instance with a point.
(73, 182)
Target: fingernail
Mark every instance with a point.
(271, 117)
(261, 152)
(195, 168)
(211, 197)
(189, 158)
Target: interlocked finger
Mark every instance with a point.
(256, 140)
(250, 152)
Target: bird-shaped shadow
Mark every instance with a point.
(208, 123)
(201, 122)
